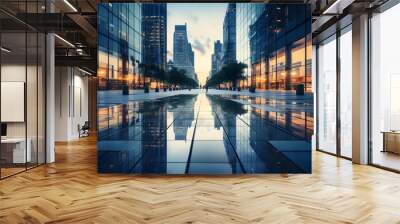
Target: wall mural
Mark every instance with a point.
(204, 88)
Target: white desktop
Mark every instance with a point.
(16, 147)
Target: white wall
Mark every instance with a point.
(71, 102)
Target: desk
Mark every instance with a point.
(391, 141)
(16, 147)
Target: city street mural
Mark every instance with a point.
(204, 88)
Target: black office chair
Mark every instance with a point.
(84, 130)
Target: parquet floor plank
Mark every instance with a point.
(71, 191)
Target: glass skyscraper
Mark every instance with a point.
(154, 25)
(274, 41)
(229, 35)
(183, 53)
(120, 45)
(216, 58)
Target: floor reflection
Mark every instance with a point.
(202, 134)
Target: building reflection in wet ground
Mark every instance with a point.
(202, 134)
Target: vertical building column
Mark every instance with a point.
(360, 90)
(50, 91)
(314, 90)
(92, 98)
(50, 98)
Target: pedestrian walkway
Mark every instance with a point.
(199, 134)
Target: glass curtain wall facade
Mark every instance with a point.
(119, 46)
(327, 95)
(385, 89)
(119, 73)
(334, 93)
(22, 76)
(246, 15)
(274, 41)
(346, 94)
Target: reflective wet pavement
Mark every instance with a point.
(202, 134)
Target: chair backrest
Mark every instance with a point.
(86, 125)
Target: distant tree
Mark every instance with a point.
(154, 72)
(177, 77)
(234, 72)
(149, 70)
(230, 73)
(173, 76)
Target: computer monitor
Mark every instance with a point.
(3, 129)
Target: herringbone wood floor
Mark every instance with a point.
(71, 191)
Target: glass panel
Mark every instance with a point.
(281, 73)
(327, 96)
(385, 84)
(23, 90)
(13, 86)
(297, 75)
(31, 99)
(346, 94)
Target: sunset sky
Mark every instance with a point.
(204, 24)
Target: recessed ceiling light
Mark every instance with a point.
(70, 5)
(337, 7)
(64, 40)
(5, 50)
(84, 71)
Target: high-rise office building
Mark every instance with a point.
(273, 43)
(229, 35)
(191, 54)
(154, 30)
(183, 55)
(216, 57)
(180, 45)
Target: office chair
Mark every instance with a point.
(84, 130)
